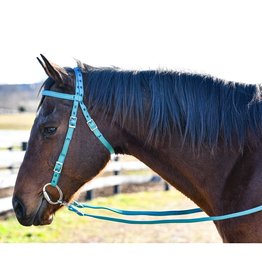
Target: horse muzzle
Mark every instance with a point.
(41, 216)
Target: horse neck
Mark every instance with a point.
(201, 177)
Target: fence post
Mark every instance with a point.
(166, 186)
(24, 146)
(89, 195)
(116, 172)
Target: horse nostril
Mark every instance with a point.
(18, 208)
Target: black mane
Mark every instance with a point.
(203, 109)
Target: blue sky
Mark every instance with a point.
(223, 38)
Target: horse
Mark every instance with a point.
(201, 134)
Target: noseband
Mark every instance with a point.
(77, 99)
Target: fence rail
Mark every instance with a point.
(117, 168)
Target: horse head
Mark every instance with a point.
(85, 159)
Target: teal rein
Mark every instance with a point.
(75, 207)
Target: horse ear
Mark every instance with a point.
(55, 72)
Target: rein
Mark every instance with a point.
(77, 99)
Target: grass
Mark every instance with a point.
(68, 227)
(19, 121)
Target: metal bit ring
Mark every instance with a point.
(47, 197)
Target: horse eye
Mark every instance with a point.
(49, 131)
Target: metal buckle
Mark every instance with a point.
(72, 118)
(60, 167)
(91, 121)
(93, 129)
(48, 199)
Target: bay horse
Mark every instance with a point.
(199, 133)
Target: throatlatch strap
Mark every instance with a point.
(93, 127)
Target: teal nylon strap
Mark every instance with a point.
(75, 205)
(77, 99)
(93, 127)
(58, 95)
(138, 213)
(71, 124)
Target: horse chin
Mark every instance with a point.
(43, 215)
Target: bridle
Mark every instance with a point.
(77, 99)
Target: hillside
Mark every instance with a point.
(16, 96)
